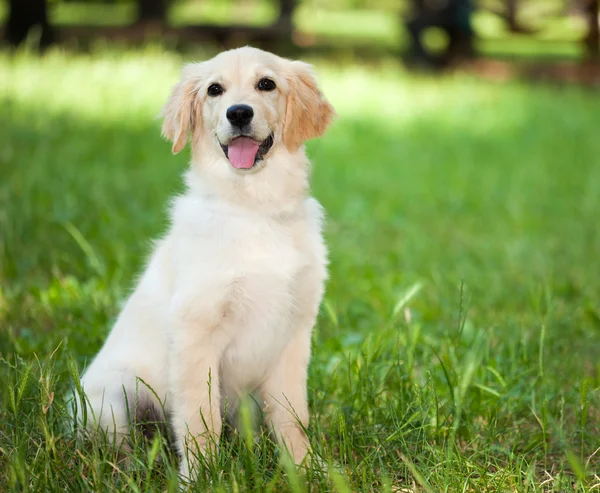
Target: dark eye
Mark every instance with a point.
(215, 90)
(265, 84)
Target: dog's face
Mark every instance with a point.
(243, 107)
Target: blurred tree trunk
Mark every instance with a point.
(286, 11)
(454, 17)
(592, 39)
(24, 15)
(511, 14)
(152, 10)
(460, 31)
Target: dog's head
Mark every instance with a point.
(243, 108)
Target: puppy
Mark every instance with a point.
(229, 297)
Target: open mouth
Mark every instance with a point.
(244, 152)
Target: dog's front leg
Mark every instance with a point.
(285, 399)
(284, 390)
(195, 354)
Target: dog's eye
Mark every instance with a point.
(215, 90)
(265, 84)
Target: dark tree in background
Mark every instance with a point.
(510, 15)
(151, 10)
(592, 38)
(286, 9)
(452, 16)
(23, 15)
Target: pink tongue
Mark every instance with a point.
(241, 152)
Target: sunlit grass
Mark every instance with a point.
(457, 348)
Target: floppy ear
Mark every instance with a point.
(308, 113)
(182, 113)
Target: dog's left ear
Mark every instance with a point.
(308, 113)
(182, 113)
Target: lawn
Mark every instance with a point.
(458, 347)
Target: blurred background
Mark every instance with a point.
(426, 33)
(457, 347)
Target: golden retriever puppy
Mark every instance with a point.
(229, 297)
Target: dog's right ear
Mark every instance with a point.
(308, 113)
(182, 112)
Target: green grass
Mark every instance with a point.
(458, 348)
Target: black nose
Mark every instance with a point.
(240, 115)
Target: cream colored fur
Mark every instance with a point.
(229, 297)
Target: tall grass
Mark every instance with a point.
(458, 345)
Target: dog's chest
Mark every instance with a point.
(253, 268)
(269, 265)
